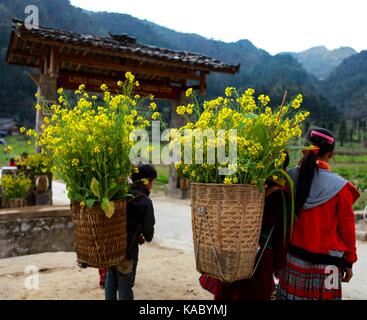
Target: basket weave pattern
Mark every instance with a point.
(100, 242)
(226, 222)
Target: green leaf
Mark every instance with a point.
(251, 115)
(108, 207)
(112, 186)
(90, 202)
(75, 196)
(94, 186)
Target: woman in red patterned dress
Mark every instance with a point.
(322, 249)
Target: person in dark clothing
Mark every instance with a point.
(140, 228)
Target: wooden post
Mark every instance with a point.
(202, 84)
(47, 95)
(172, 189)
(47, 87)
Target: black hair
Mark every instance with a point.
(308, 165)
(145, 171)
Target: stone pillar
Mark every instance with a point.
(172, 189)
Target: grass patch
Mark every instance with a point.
(361, 202)
(19, 145)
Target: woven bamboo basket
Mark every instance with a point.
(100, 242)
(226, 223)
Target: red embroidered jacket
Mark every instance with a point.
(329, 226)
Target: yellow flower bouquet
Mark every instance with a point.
(229, 147)
(259, 133)
(89, 142)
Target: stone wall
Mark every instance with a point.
(35, 229)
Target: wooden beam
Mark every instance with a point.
(123, 67)
(95, 63)
(92, 83)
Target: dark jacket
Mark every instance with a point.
(140, 219)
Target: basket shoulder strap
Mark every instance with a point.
(262, 251)
(271, 190)
(136, 197)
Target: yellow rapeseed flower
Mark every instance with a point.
(264, 99)
(181, 110)
(153, 106)
(227, 180)
(188, 92)
(189, 108)
(75, 162)
(129, 76)
(229, 91)
(296, 103)
(155, 115)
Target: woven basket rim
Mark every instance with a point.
(227, 185)
(96, 203)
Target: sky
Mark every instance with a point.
(273, 25)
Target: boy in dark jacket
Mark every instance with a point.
(140, 228)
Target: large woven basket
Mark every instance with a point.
(226, 223)
(100, 242)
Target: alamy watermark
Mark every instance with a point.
(192, 146)
(32, 20)
(31, 281)
(332, 280)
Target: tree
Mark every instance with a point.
(342, 132)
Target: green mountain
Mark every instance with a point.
(320, 61)
(266, 73)
(346, 87)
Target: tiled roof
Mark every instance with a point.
(123, 44)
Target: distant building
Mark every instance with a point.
(8, 126)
